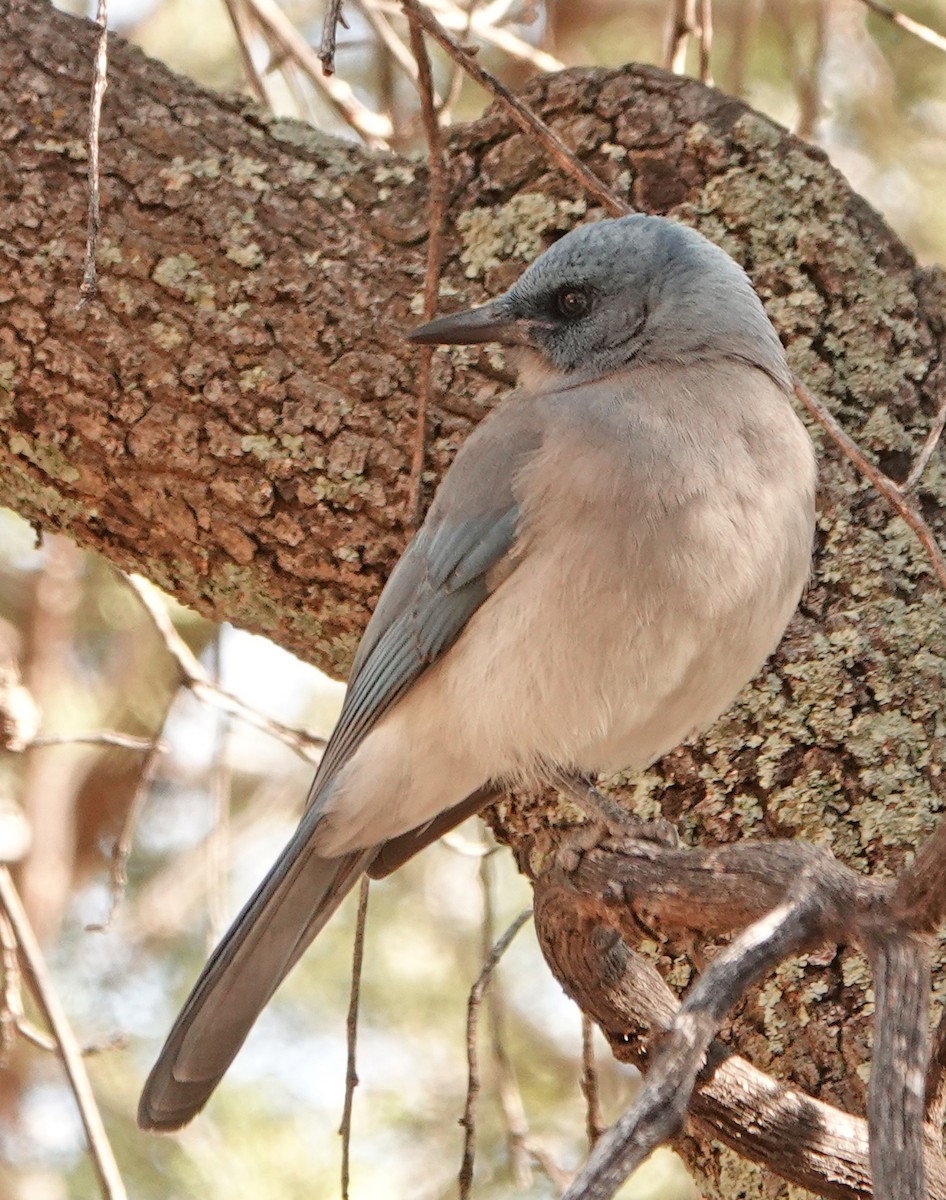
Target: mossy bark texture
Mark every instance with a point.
(233, 416)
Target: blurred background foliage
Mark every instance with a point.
(220, 797)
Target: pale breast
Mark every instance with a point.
(651, 586)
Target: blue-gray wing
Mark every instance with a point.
(443, 576)
(439, 582)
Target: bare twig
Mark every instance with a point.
(510, 1097)
(196, 678)
(920, 896)
(121, 850)
(681, 23)
(521, 113)
(351, 1026)
(483, 25)
(241, 30)
(457, 74)
(743, 21)
(333, 15)
(468, 1120)
(926, 453)
(705, 36)
(589, 1082)
(11, 1008)
(373, 128)
(437, 191)
(804, 70)
(217, 841)
(93, 737)
(110, 1181)
(389, 37)
(804, 897)
(689, 18)
(659, 1111)
(886, 486)
(99, 83)
(923, 32)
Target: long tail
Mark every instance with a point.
(287, 910)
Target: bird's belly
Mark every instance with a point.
(593, 655)
(608, 656)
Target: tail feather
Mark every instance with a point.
(285, 913)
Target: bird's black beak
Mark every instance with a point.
(493, 322)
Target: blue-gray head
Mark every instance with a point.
(629, 291)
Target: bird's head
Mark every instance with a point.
(633, 290)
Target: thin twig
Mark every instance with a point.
(920, 895)
(93, 737)
(11, 1008)
(683, 24)
(705, 39)
(883, 483)
(468, 1120)
(805, 72)
(196, 678)
(241, 31)
(589, 1082)
(373, 128)
(520, 113)
(216, 844)
(510, 1098)
(481, 24)
(926, 453)
(87, 288)
(44, 993)
(437, 192)
(455, 86)
(923, 32)
(121, 850)
(660, 1109)
(389, 37)
(333, 15)
(351, 1027)
(680, 25)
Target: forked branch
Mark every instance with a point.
(786, 897)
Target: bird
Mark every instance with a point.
(611, 557)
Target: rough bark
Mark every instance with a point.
(233, 417)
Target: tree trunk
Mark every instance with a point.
(233, 417)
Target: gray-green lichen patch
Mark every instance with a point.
(267, 447)
(108, 252)
(491, 236)
(71, 147)
(181, 275)
(20, 490)
(247, 255)
(166, 336)
(182, 172)
(748, 211)
(7, 375)
(50, 459)
(249, 172)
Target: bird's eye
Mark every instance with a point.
(572, 302)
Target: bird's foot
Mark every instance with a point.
(608, 821)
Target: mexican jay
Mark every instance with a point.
(610, 558)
